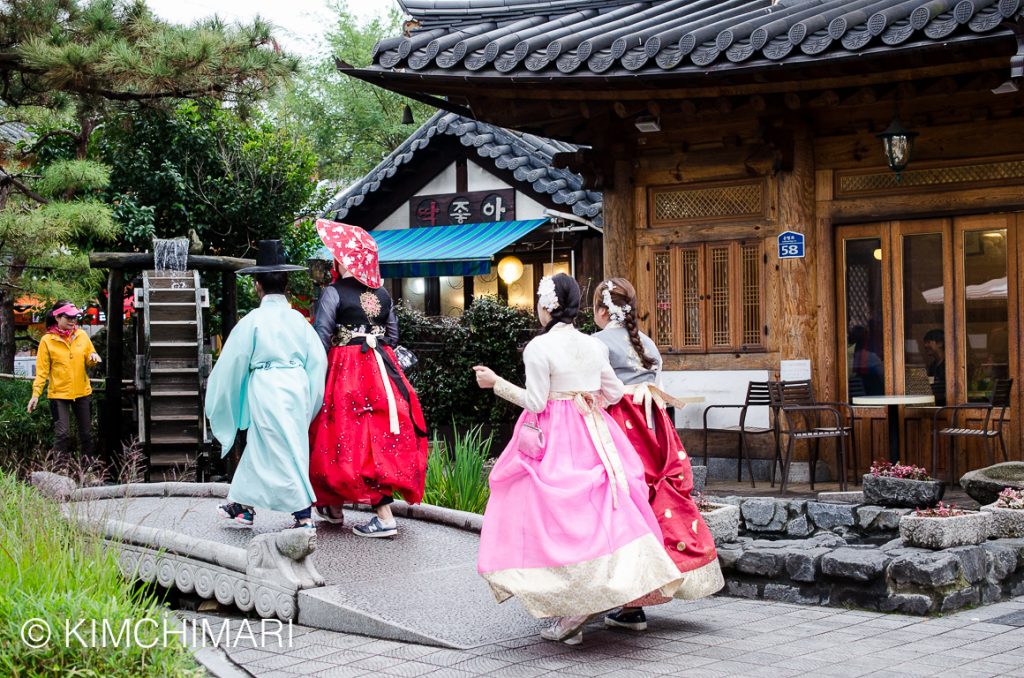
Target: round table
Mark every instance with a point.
(893, 403)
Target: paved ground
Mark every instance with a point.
(390, 588)
(716, 637)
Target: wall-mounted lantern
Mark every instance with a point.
(898, 145)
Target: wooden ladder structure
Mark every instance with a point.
(171, 372)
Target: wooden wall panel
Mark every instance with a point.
(620, 225)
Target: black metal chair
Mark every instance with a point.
(757, 396)
(812, 420)
(990, 431)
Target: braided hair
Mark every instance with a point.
(568, 293)
(624, 296)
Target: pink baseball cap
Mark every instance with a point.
(68, 310)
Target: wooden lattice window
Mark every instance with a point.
(701, 203)
(709, 297)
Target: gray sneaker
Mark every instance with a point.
(566, 629)
(374, 528)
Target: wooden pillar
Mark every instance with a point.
(826, 359)
(229, 303)
(467, 291)
(115, 353)
(620, 224)
(799, 300)
(432, 296)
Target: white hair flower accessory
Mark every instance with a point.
(548, 295)
(615, 312)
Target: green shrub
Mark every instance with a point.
(489, 333)
(456, 478)
(53, 572)
(24, 437)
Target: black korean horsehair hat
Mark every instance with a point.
(270, 259)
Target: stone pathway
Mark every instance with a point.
(711, 638)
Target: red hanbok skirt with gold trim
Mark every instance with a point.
(687, 538)
(354, 457)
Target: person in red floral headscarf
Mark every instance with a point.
(369, 439)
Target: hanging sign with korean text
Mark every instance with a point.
(791, 245)
(462, 208)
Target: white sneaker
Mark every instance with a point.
(566, 628)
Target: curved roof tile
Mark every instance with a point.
(491, 37)
(527, 156)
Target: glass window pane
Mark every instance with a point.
(690, 291)
(486, 284)
(752, 258)
(865, 348)
(414, 292)
(924, 349)
(720, 296)
(521, 292)
(985, 311)
(452, 297)
(662, 298)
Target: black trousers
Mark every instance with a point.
(61, 411)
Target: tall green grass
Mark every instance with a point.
(455, 478)
(51, 571)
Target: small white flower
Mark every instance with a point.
(616, 313)
(548, 295)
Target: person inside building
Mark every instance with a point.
(64, 356)
(934, 345)
(268, 379)
(369, 440)
(642, 416)
(569, 530)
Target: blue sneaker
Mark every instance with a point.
(374, 528)
(236, 512)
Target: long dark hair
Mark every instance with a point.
(623, 294)
(51, 319)
(568, 292)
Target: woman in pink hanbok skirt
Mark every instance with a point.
(569, 530)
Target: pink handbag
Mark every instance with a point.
(531, 439)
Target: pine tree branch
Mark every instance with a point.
(49, 135)
(6, 176)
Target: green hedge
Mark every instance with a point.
(489, 333)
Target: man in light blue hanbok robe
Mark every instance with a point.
(270, 380)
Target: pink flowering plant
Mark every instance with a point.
(1010, 498)
(941, 510)
(703, 505)
(885, 469)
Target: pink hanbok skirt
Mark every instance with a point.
(562, 534)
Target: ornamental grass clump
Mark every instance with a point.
(885, 469)
(455, 478)
(1010, 498)
(55, 575)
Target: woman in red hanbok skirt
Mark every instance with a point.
(369, 439)
(641, 414)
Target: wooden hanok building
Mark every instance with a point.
(457, 198)
(716, 126)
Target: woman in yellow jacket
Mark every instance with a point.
(64, 354)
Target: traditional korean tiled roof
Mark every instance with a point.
(526, 156)
(13, 132)
(545, 37)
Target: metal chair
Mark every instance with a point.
(991, 429)
(812, 420)
(757, 396)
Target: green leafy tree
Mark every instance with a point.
(201, 167)
(82, 61)
(351, 124)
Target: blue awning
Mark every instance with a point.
(462, 250)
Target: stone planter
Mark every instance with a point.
(943, 533)
(1006, 523)
(723, 521)
(984, 484)
(902, 492)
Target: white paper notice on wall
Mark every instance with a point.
(794, 370)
